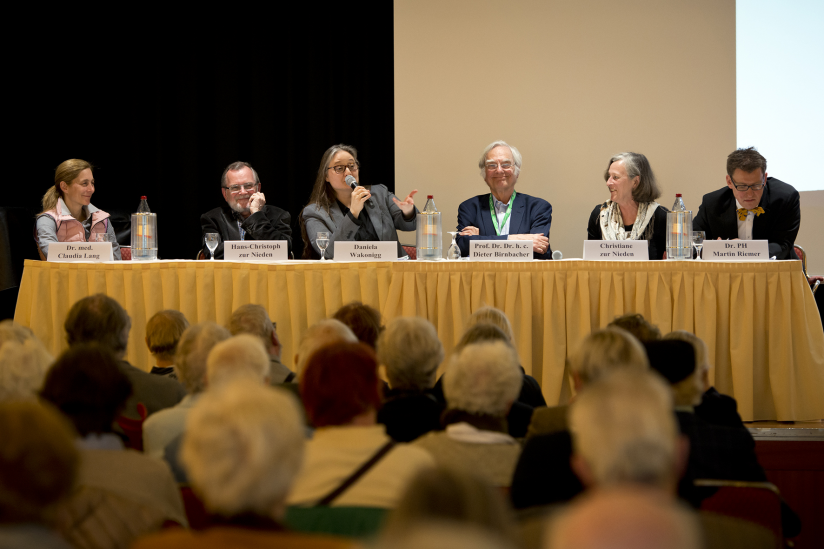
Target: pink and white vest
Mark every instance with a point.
(71, 230)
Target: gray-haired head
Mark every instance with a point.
(236, 167)
(637, 165)
(411, 352)
(516, 156)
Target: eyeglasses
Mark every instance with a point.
(756, 187)
(492, 166)
(353, 167)
(246, 187)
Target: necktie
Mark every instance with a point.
(742, 212)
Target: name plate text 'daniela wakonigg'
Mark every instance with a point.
(736, 250)
(80, 251)
(500, 250)
(366, 251)
(616, 250)
(255, 250)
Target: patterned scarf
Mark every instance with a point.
(612, 225)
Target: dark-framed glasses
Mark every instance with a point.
(492, 166)
(756, 187)
(237, 188)
(353, 167)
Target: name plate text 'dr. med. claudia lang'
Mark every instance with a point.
(366, 251)
(736, 250)
(80, 251)
(616, 250)
(255, 250)
(500, 250)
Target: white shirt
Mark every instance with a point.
(500, 212)
(744, 227)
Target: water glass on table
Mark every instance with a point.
(212, 240)
(698, 242)
(323, 243)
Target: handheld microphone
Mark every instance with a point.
(353, 183)
(557, 254)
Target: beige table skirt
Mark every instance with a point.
(759, 320)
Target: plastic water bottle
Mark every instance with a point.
(429, 245)
(679, 237)
(144, 233)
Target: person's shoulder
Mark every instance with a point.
(724, 193)
(274, 210)
(534, 200)
(213, 213)
(776, 186)
(478, 200)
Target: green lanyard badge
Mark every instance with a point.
(495, 216)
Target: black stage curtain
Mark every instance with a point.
(161, 109)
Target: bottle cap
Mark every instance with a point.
(676, 195)
(144, 198)
(429, 196)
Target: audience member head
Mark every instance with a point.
(340, 385)
(319, 334)
(243, 447)
(240, 356)
(675, 360)
(623, 518)
(491, 315)
(364, 321)
(411, 352)
(192, 351)
(638, 326)
(702, 355)
(99, 319)
(163, 332)
(624, 432)
(438, 534)
(448, 494)
(605, 351)
(254, 320)
(483, 331)
(38, 461)
(86, 384)
(23, 362)
(483, 379)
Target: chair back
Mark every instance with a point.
(758, 502)
(411, 251)
(353, 522)
(134, 428)
(126, 253)
(802, 255)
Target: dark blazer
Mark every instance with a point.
(270, 223)
(657, 244)
(386, 218)
(778, 224)
(530, 215)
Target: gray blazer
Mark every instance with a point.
(385, 216)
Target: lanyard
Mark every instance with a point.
(495, 215)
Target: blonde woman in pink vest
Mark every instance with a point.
(68, 214)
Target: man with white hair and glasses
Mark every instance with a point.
(503, 213)
(245, 216)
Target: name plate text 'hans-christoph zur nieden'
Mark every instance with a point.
(616, 250)
(736, 250)
(255, 250)
(500, 250)
(366, 251)
(80, 251)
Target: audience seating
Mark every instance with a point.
(758, 502)
(354, 522)
(133, 428)
(195, 511)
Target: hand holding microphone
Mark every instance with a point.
(359, 196)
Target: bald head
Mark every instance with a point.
(624, 518)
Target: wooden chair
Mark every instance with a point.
(411, 251)
(758, 502)
(815, 281)
(134, 428)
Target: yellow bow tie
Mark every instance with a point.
(742, 212)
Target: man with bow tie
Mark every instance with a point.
(752, 206)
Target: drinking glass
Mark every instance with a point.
(212, 240)
(323, 243)
(698, 242)
(454, 252)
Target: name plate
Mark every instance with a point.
(736, 250)
(500, 250)
(255, 250)
(80, 251)
(616, 250)
(351, 250)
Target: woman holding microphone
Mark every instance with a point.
(340, 206)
